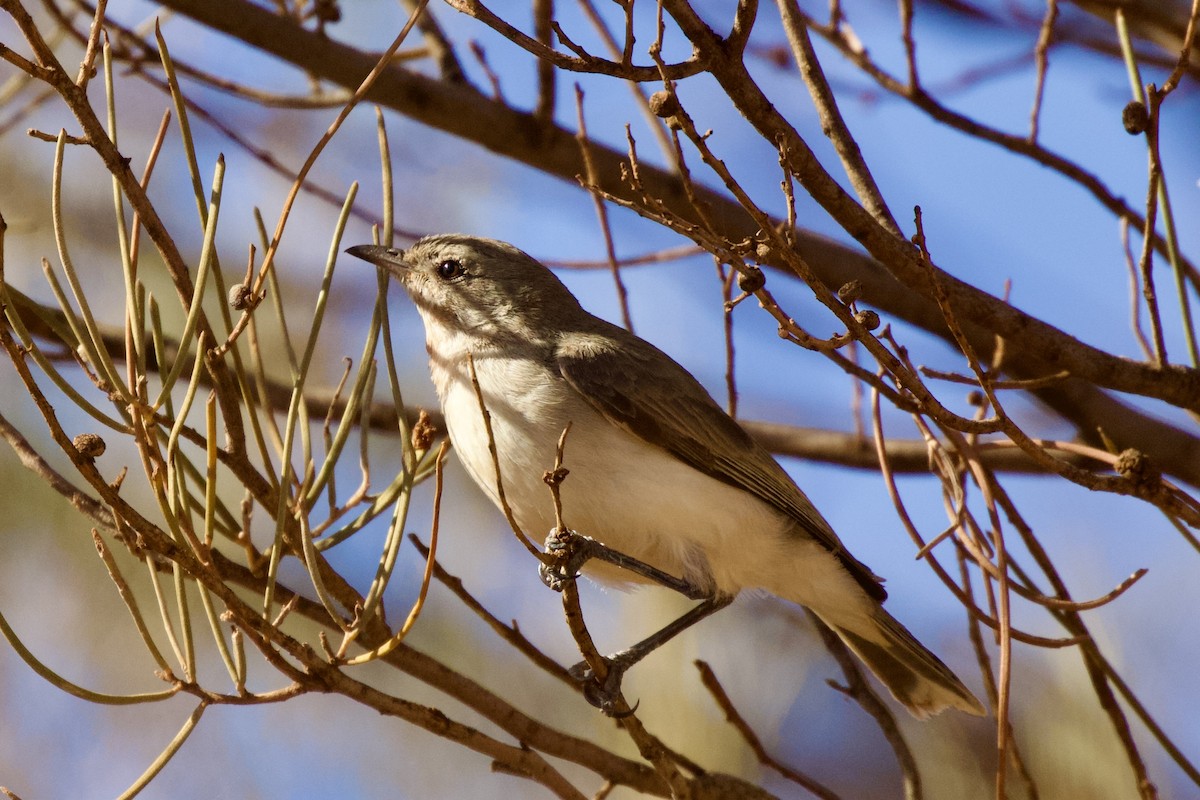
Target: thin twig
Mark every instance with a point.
(592, 180)
(710, 681)
(504, 506)
(1041, 58)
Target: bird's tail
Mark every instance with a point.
(915, 677)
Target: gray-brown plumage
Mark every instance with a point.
(658, 470)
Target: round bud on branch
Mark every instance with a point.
(1135, 117)
(1136, 467)
(663, 104)
(868, 319)
(751, 279)
(851, 292)
(240, 296)
(89, 445)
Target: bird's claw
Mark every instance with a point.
(564, 565)
(553, 576)
(604, 695)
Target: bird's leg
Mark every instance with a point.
(574, 550)
(604, 695)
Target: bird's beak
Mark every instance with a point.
(389, 258)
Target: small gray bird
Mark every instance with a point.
(658, 471)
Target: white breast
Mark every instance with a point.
(632, 496)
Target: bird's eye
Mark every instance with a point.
(450, 268)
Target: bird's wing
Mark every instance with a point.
(645, 392)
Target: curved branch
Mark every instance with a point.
(583, 61)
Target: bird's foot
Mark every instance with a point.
(569, 551)
(605, 694)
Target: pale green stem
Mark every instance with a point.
(93, 341)
(73, 688)
(210, 468)
(311, 561)
(380, 504)
(355, 398)
(387, 561)
(168, 625)
(239, 660)
(139, 622)
(46, 366)
(197, 304)
(166, 755)
(127, 268)
(185, 127)
(185, 623)
(214, 622)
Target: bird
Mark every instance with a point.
(658, 471)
